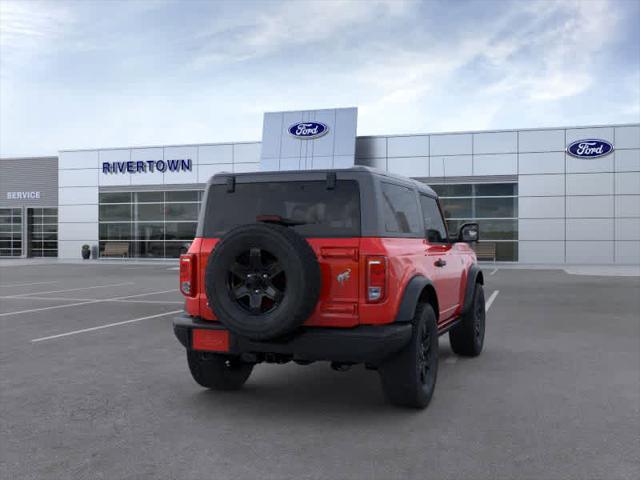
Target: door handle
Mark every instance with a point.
(439, 263)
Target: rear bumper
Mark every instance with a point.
(361, 344)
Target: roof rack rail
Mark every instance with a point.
(231, 184)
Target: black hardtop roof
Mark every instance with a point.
(291, 175)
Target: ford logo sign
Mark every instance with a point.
(590, 148)
(308, 130)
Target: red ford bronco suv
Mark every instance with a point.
(348, 266)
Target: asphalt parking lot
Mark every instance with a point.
(94, 385)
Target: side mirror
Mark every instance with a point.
(433, 236)
(469, 233)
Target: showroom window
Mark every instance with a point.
(159, 224)
(10, 232)
(494, 206)
(42, 228)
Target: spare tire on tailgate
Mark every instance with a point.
(262, 280)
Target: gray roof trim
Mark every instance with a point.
(152, 188)
(505, 130)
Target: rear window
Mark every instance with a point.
(321, 212)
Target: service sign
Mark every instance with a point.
(23, 195)
(308, 130)
(589, 148)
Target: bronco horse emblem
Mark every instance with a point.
(344, 276)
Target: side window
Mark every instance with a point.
(400, 209)
(433, 223)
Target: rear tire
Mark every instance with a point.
(218, 372)
(409, 377)
(467, 338)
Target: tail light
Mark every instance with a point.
(188, 274)
(376, 279)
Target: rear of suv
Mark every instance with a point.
(347, 266)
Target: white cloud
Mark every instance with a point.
(28, 27)
(409, 67)
(537, 53)
(275, 27)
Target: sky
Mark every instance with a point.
(85, 74)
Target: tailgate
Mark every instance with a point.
(339, 260)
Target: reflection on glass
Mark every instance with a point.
(182, 196)
(149, 249)
(180, 231)
(181, 211)
(457, 207)
(148, 221)
(148, 212)
(495, 189)
(496, 207)
(115, 197)
(149, 231)
(147, 197)
(453, 190)
(115, 231)
(110, 213)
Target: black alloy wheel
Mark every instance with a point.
(479, 320)
(256, 281)
(425, 361)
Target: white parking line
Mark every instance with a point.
(84, 330)
(26, 284)
(493, 271)
(75, 289)
(87, 302)
(144, 294)
(49, 308)
(489, 302)
(67, 299)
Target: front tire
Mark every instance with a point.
(409, 377)
(218, 372)
(467, 338)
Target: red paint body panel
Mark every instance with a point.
(343, 304)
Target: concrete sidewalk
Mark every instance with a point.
(594, 270)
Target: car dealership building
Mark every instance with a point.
(544, 195)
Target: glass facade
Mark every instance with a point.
(42, 228)
(10, 232)
(494, 206)
(158, 224)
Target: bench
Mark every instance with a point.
(116, 250)
(485, 251)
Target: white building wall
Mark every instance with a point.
(570, 210)
(80, 177)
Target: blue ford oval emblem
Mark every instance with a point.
(308, 130)
(590, 148)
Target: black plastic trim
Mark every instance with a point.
(475, 275)
(410, 298)
(366, 343)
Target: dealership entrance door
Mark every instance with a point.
(11, 232)
(42, 232)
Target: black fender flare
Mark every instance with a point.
(474, 276)
(411, 297)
